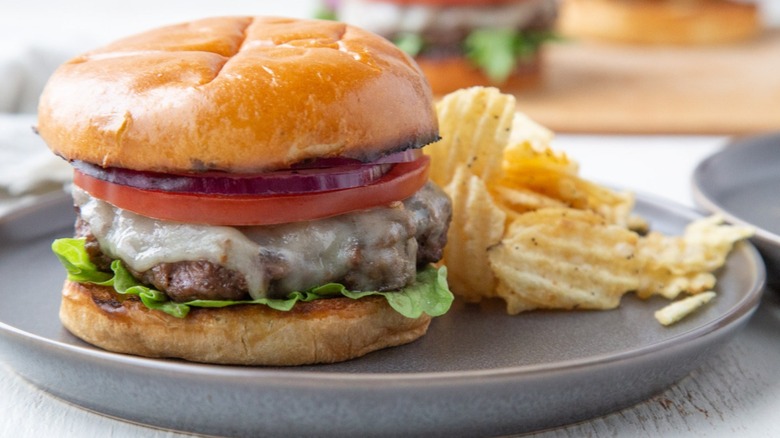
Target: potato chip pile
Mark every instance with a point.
(528, 229)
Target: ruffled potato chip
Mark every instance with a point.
(564, 259)
(529, 229)
(477, 224)
(675, 264)
(521, 199)
(475, 125)
(678, 310)
(569, 189)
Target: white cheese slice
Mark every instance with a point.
(142, 242)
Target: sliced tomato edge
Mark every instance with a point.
(404, 179)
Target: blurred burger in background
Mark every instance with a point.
(670, 22)
(460, 43)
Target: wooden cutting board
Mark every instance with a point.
(600, 88)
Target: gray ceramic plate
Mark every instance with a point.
(477, 372)
(742, 182)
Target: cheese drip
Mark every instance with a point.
(142, 242)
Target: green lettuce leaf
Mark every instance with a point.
(325, 12)
(75, 259)
(411, 43)
(494, 51)
(497, 51)
(429, 294)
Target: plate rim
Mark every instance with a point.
(743, 309)
(704, 199)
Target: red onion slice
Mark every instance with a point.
(272, 183)
(406, 156)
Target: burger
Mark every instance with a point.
(461, 43)
(671, 22)
(248, 191)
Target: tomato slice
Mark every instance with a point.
(402, 181)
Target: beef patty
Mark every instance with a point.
(376, 249)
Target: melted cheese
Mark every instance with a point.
(143, 242)
(372, 249)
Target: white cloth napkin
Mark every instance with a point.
(24, 69)
(28, 169)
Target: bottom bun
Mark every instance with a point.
(322, 331)
(659, 22)
(452, 73)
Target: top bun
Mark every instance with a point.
(237, 94)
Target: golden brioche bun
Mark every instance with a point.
(452, 73)
(238, 94)
(321, 331)
(670, 22)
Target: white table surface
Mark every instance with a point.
(735, 393)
